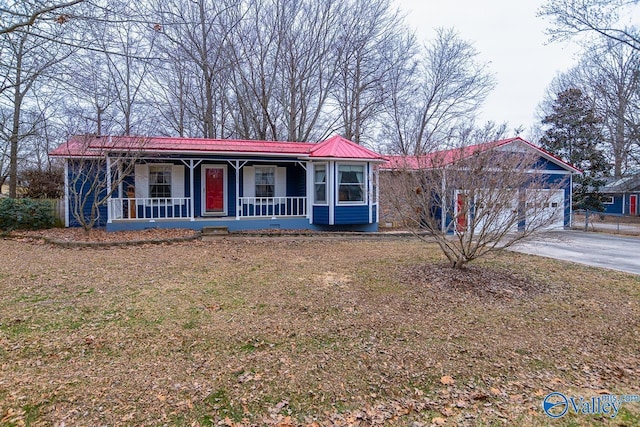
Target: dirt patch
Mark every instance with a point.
(482, 282)
(101, 236)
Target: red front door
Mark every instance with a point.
(633, 205)
(214, 190)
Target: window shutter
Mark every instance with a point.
(177, 181)
(281, 182)
(142, 180)
(249, 181)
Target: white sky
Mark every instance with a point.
(507, 34)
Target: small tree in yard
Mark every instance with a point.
(92, 180)
(473, 201)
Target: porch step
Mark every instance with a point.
(214, 231)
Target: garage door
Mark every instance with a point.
(549, 211)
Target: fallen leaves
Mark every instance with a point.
(330, 333)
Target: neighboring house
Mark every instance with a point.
(241, 185)
(557, 174)
(621, 196)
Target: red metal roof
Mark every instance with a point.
(448, 157)
(342, 148)
(91, 146)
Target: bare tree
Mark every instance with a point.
(375, 43)
(16, 18)
(28, 59)
(609, 75)
(473, 200)
(310, 51)
(612, 76)
(448, 87)
(95, 173)
(199, 33)
(604, 18)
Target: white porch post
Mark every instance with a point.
(67, 204)
(377, 177)
(310, 190)
(191, 188)
(331, 185)
(369, 191)
(109, 189)
(238, 205)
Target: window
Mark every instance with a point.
(320, 183)
(607, 200)
(265, 181)
(160, 181)
(351, 183)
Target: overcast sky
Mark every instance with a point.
(507, 34)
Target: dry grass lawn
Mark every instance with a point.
(302, 331)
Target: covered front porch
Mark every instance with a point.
(211, 190)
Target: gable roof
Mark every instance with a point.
(629, 183)
(335, 147)
(448, 157)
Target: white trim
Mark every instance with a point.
(370, 191)
(225, 190)
(611, 202)
(67, 205)
(570, 200)
(365, 196)
(331, 172)
(108, 189)
(326, 184)
(309, 169)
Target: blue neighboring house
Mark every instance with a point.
(237, 184)
(558, 174)
(620, 196)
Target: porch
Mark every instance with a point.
(180, 208)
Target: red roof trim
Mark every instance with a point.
(448, 157)
(335, 147)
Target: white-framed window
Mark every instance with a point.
(607, 200)
(265, 181)
(320, 183)
(351, 183)
(160, 181)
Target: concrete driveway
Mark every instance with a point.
(595, 249)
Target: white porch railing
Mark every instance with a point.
(270, 207)
(149, 208)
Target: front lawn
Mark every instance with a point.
(297, 331)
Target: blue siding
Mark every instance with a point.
(621, 203)
(616, 207)
(351, 214)
(545, 164)
(78, 171)
(321, 215)
(296, 180)
(241, 225)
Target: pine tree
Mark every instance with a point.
(574, 135)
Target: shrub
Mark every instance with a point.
(26, 214)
